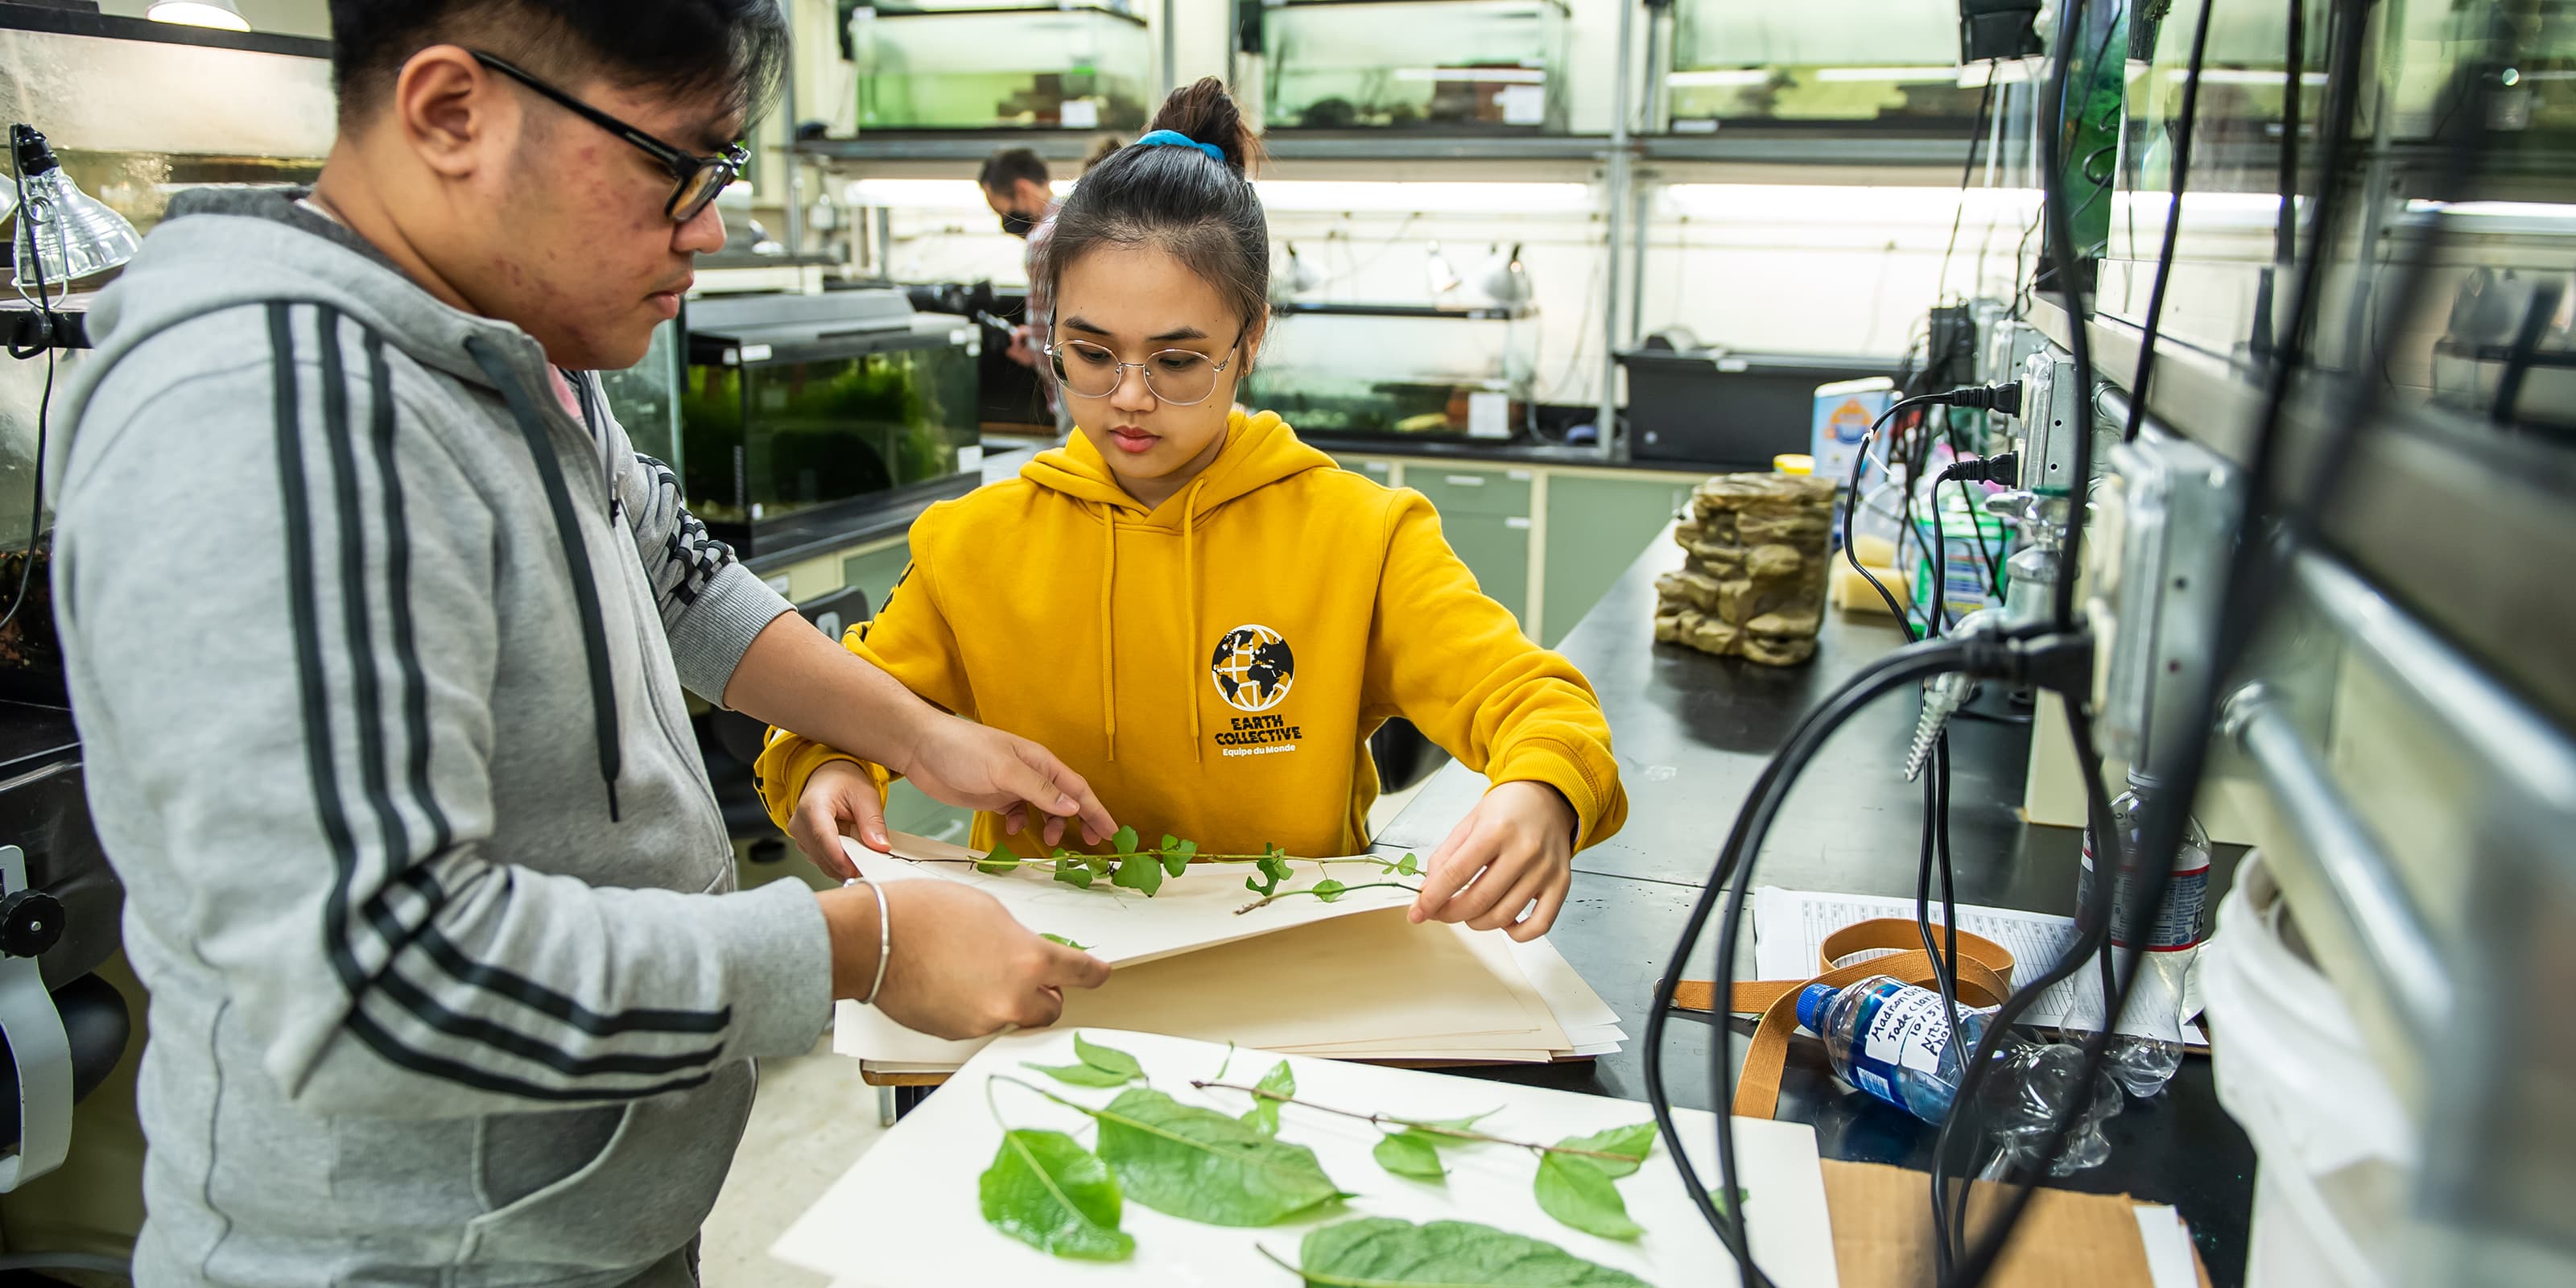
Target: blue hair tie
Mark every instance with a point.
(1176, 139)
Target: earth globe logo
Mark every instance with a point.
(1253, 668)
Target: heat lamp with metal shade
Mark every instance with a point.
(64, 234)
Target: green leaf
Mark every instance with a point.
(1177, 854)
(1328, 890)
(1123, 841)
(1045, 1190)
(1059, 939)
(1274, 869)
(1635, 1142)
(1073, 874)
(1264, 1115)
(1139, 872)
(1454, 1124)
(1098, 863)
(1410, 1153)
(999, 861)
(1576, 1191)
(1203, 1166)
(1083, 1075)
(1105, 1058)
(1410, 866)
(1380, 1252)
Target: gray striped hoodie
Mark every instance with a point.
(377, 654)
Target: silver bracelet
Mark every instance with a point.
(885, 938)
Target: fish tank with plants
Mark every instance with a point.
(1889, 64)
(792, 431)
(933, 66)
(1391, 371)
(1477, 66)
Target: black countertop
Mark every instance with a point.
(1514, 452)
(1692, 732)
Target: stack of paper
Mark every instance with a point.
(1350, 979)
(906, 1213)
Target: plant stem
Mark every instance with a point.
(1266, 900)
(1149, 854)
(1433, 1129)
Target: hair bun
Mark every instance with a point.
(1206, 113)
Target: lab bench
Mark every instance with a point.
(1692, 732)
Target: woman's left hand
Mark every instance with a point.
(1514, 849)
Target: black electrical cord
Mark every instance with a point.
(1967, 172)
(2093, 922)
(1985, 552)
(2251, 581)
(44, 338)
(2184, 124)
(1851, 505)
(1908, 665)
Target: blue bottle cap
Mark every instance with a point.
(1812, 1001)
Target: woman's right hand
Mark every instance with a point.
(840, 800)
(961, 967)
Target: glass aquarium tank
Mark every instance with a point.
(1399, 371)
(1882, 62)
(1461, 65)
(645, 398)
(925, 67)
(799, 413)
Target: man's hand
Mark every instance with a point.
(1520, 838)
(964, 763)
(961, 967)
(840, 800)
(1024, 346)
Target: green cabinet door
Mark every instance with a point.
(1497, 549)
(1370, 467)
(876, 571)
(1595, 528)
(1487, 517)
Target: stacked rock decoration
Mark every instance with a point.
(1753, 583)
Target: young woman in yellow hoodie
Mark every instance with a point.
(1202, 615)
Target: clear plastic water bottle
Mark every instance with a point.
(2146, 1041)
(1887, 1038)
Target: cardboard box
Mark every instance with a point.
(1883, 1233)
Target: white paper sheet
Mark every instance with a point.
(905, 1214)
(2168, 1240)
(1789, 929)
(1200, 908)
(1374, 978)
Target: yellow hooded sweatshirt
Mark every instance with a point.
(1214, 666)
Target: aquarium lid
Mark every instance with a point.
(733, 330)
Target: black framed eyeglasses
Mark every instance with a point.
(1181, 377)
(698, 178)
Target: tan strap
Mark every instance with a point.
(1984, 978)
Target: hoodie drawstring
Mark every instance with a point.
(1108, 664)
(585, 591)
(1190, 611)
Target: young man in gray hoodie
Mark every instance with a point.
(377, 629)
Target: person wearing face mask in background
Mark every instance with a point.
(1203, 614)
(1016, 185)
